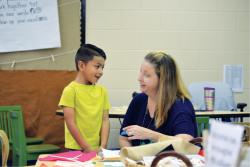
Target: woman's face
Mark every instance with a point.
(148, 79)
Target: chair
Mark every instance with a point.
(5, 125)
(4, 147)
(202, 124)
(224, 99)
(22, 152)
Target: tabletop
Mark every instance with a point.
(119, 112)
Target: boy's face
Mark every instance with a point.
(92, 70)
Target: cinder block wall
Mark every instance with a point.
(202, 35)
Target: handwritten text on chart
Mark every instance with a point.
(21, 11)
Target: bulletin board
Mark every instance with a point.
(38, 92)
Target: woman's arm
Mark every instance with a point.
(184, 125)
(105, 129)
(186, 137)
(124, 142)
(141, 133)
(69, 116)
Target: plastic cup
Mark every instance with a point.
(209, 98)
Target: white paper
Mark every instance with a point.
(28, 25)
(74, 164)
(110, 153)
(115, 164)
(233, 76)
(223, 144)
(148, 160)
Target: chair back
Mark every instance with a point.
(18, 138)
(5, 123)
(5, 147)
(202, 124)
(224, 99)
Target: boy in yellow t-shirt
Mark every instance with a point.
(85, 104)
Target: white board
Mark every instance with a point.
(28, 25)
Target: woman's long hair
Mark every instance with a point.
(171, 85)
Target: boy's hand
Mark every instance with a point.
(103, 146)
(86, 149)
(89, 149)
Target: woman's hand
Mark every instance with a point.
(138, 132)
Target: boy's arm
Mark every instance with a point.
(69, 116)
(105, 129)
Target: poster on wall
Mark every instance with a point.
(28, 25)
(233, 76)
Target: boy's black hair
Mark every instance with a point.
(86, 53)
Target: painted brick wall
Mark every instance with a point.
(202, 35)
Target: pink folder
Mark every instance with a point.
(70, 156)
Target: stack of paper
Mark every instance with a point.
(74, 164)
(110, 155)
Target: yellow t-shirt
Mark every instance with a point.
(89, 102)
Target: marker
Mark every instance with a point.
(124, 133)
